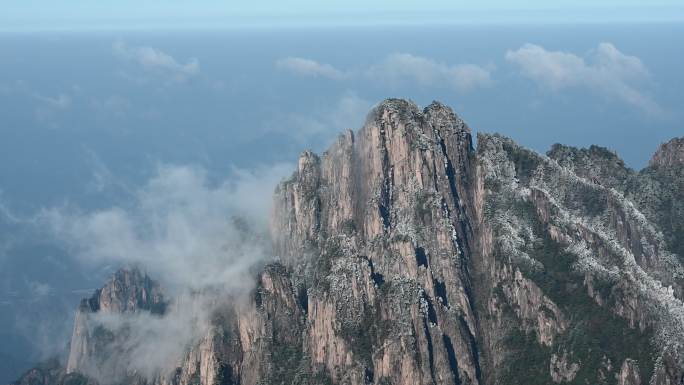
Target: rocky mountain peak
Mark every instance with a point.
(409, 257)
(361, 181)
(128, 290)
(399, 110)
(563, 153)
(596, 164)
(669, 154)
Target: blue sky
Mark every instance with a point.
(86, 119)
(130, 14)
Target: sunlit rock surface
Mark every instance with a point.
(404, 255)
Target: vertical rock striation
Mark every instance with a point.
(406, 256)
(128, 291)
(378, 227)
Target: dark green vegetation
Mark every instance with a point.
(362, 334)
(659, 192)
(594, 335)
(286, 358)
(524, 352)
(524, 160)
(594, 332)
(596, 164)
(595, 338)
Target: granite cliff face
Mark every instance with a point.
(128, 291)
(403, 255)
(670, 154)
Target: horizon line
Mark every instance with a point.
(264, 26)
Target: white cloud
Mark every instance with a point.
(39, 289)
(154, 60)
(61, 101)
(397, 68)
(147, 344)
(112, 106)
(103, 179)
(605, 70)
(400, 67)
(6, 244)
(308, 67)
(348, 112)
(199, 237)
(181, 227)
(6, 215)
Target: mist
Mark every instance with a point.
(88, 117)
(201, 239)
(181, 228)
(150, 345)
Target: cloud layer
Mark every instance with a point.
(155, 60)
(182, 228)
(61, 101)
(605, 70)
(423, 71)
(348, 112)
(398, 68)
(147, 344)
(308, 67)
(200, 238)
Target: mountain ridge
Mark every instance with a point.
(407, 256)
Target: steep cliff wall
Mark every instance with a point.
(378, 229)
(575, 264)
(405, 256)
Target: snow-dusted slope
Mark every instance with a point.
(402, 255)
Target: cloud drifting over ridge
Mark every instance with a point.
(155, 60)
(183, 229)
(397, 68)
(147, 344)
(201, 239)
(348, 112)
(605, 70)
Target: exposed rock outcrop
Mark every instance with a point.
(127, 291)
(406, 256)
(669, 154)
(629, 373)
(562, 370)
